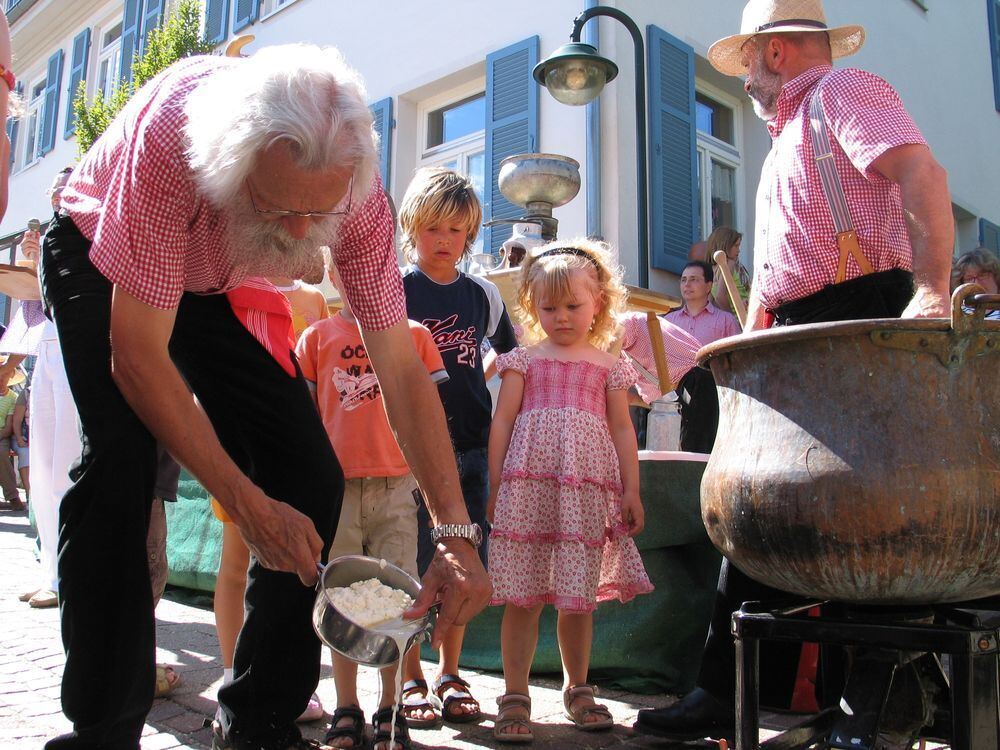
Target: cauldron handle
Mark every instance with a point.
(962, 323)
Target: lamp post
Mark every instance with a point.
(575, 74)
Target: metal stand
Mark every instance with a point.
(888, 647)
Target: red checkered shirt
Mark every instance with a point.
(795, 253)
(134, 196)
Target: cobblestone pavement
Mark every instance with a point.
(31, 663)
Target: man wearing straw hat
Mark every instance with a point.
(853, 221)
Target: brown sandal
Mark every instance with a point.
(580, 715)
(507, 703)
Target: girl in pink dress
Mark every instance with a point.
(564, 477)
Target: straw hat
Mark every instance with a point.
(771, 16)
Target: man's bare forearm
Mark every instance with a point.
(931, 226)
(417, 418)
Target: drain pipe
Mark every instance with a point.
(592, 162)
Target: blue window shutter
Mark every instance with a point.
(150, 20)
(13, 125)
(511, 128)
(673, 194)
(245, 14)
(993, 13)
(989, 235)
(77, 72)
(216, 21)
(131, 25)
(50, 105)
(383, 124)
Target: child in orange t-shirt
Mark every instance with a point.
(378, 516)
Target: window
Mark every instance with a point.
(993, 14)
(110, 61)
(455, 138)
(273, 6)
(718, 161)
(456, 121)
(32, 123)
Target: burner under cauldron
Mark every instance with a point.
(897, 689)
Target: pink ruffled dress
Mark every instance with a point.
(558, 536)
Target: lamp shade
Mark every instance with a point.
(575, 74)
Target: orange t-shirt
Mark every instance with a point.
(332, 355)
(308, 305)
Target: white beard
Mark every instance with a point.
(264, 248)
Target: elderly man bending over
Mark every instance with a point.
(221, 169)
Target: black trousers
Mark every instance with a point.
(879, 295)
(268, 424)
(700, 410)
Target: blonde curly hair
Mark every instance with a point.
(546, 273)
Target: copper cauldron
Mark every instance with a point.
(860, 461)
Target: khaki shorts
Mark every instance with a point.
(379, 518)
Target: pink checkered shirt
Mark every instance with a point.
(679, 346)
(795, 253)
(711, 324)
(134, 196)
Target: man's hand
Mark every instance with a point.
(456, 578)
(927, 303)
(283, 539)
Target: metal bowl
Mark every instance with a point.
(539, 178)
(346, 637)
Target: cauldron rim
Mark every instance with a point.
(812, 331)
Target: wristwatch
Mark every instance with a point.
(470, 532)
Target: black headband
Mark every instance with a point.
(791, 22)
(572, 251)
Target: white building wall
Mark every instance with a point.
(939, 61)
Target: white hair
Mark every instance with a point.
(299, 93)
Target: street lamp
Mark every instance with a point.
(575, 74)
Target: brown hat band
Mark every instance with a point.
(791, 22)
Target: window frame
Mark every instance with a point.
(708, 147)
(33, 106)
(115, 51)
(461, 148)
(268, 9)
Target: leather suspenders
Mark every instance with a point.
(833, 189)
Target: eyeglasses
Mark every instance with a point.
(280, 212)
(977, 277)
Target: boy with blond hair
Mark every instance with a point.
(440, 217)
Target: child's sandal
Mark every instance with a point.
(415, 703)
(507, 704)
(355, 731)
(580, 715)
(381, 736)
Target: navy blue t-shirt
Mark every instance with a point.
(460, 315)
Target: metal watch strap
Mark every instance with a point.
(469, 532)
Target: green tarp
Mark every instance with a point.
(649, 645)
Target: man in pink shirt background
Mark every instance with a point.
(698, 315)
(704, 321)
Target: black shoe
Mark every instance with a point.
(698, 714)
